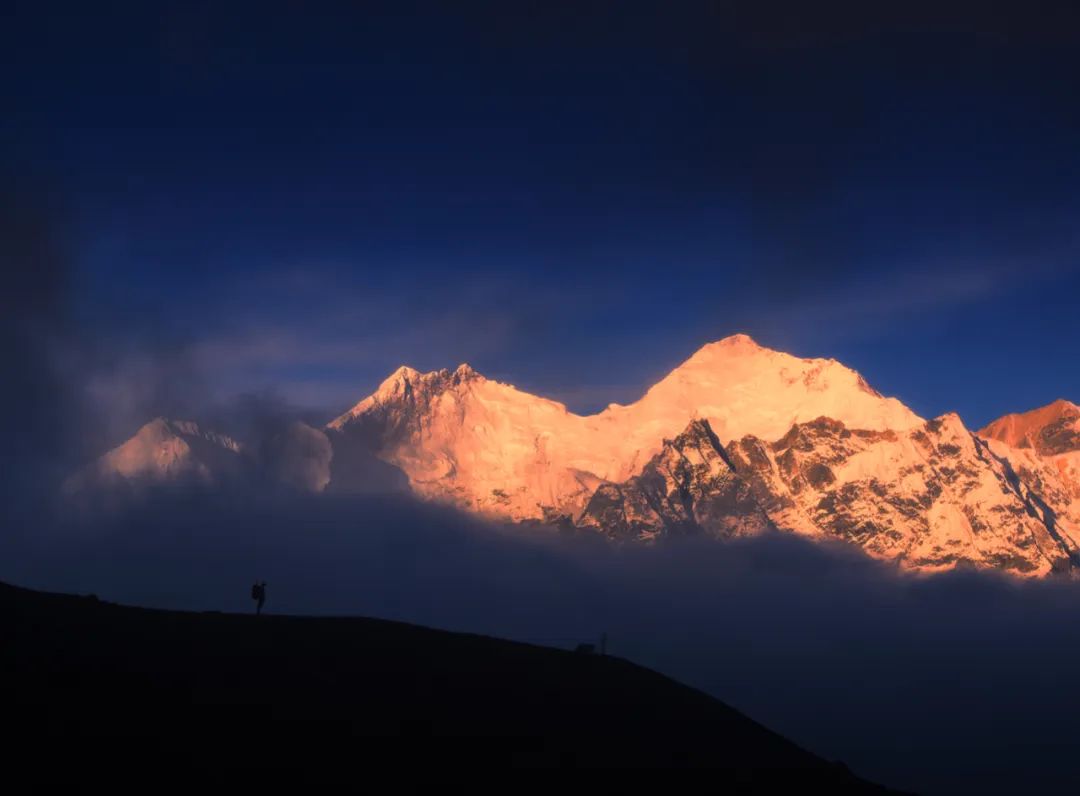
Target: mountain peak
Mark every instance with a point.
(736, 344)
(744, 388)
(466, 371)
(739, 340)
(950, 425)
(406, 375)
(1051, 428)
(688, 488)
(163, 428)
(161, 450)
(405, 380)
(950, 418)
(408, 384)
(697, 430)
(719, 354)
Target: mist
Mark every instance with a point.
(932, 683)
(958, 682)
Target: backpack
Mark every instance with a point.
(255, 591)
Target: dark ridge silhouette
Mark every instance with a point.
(213, 690)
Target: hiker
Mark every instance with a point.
(258, 593)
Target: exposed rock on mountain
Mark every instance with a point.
(929, 498)
(1049, 431)
(735, 440)
(689, 487)
(1047, 437)
(491, 448)
(1043, 446)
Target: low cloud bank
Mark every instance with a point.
(960, 681)
(956, 683)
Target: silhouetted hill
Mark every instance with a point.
(210, 690)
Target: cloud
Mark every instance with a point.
(876, 303)
(956, 683)
(330, 348)
(299, 457)
(37, 408)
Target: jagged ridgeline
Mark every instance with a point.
(736, 440)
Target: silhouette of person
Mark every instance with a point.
(258, 593)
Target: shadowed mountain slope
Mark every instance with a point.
(220, 690)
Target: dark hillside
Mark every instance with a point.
(220, 690)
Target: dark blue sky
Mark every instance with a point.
(572, 200)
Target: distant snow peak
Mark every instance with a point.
(403, 373)
(739, 342)
(1050, 429)
(162, 450)
(736, 440)
(1043, 446)
(407, 384)
(737, 345)
(167, 451)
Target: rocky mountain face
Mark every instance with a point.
(929, 498)
(736, 440)
(1050, 431)
(1043, 438)
(689, 487)
(1043, 446)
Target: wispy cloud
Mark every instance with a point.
(317, 339)
(875, 302)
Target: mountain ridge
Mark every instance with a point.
(735, 440)
(550, 459)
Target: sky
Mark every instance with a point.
(573, 199)
(284, 204)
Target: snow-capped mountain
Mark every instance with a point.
(736, 440)
(168, 451)
(164, 450)
(1043, 445)
(1051, 430)
(929, 498)
(489, 447)
(1050, 435)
